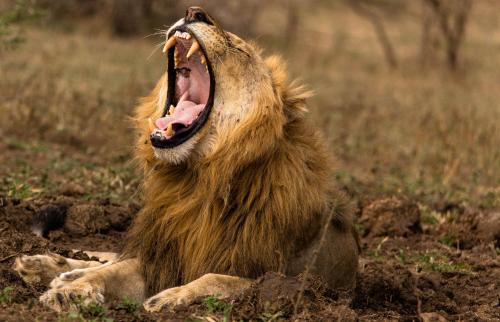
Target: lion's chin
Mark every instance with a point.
(178, 154)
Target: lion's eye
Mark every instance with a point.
(184, 71)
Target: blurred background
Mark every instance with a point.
(407, 92)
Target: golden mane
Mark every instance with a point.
(254, 201)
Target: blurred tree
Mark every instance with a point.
(292, 24)
(127, 16)
(58, 9)
(428, 41)
(452, 17)
(360, 8)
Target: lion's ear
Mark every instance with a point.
(292, 94)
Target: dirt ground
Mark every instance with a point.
(432, 262)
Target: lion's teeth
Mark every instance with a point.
(170, 42)
(183, 35)
(171, 110)
(169, 131)
(194, 47)
(203, 60)
(152, 126)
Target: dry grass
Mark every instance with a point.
(418, 131)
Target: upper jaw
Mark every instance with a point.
(189, 96)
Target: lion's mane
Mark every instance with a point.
(256, 200)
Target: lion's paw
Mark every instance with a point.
(63, 296)
(169, 298)
(40, 268)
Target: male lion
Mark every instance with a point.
(237, 183)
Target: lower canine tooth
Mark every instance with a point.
(171, 110)
(169, 131)
(203, 60)
(194, 47)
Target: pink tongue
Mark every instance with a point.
(185, 113)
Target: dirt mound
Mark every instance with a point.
(390, 217)
(473, 227)
(285, 297)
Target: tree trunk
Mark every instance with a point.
(378, 26)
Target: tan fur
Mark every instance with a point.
(43, 268)
(259, 197)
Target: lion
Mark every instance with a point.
(237, 182)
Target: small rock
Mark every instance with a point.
(432, 317)
(71, 189)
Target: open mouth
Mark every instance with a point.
(190, 91)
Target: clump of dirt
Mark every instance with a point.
(282, 297)
(92, 218)
(390, 217)
(474, 227)
(392, 290)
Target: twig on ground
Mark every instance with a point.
(8, 257)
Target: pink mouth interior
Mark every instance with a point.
(192, 87)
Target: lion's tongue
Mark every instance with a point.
(185, 113)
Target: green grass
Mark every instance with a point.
(448, 240)
(50, 170)
(93, 312)
(129, 305)
(20, 190)
(442, 264)
(6, 295)
(214, 305)
(402, 257)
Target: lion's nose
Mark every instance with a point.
(196, 14)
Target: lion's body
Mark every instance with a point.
(247, 190)
(249, 208)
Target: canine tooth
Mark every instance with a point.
(152, 126)
(171, 110)
(169, 131)
(188, 36)
(194, 47)
(170, 42)
(203, 60)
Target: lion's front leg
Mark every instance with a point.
(223, 286)
(113, 281)
(44, 268)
